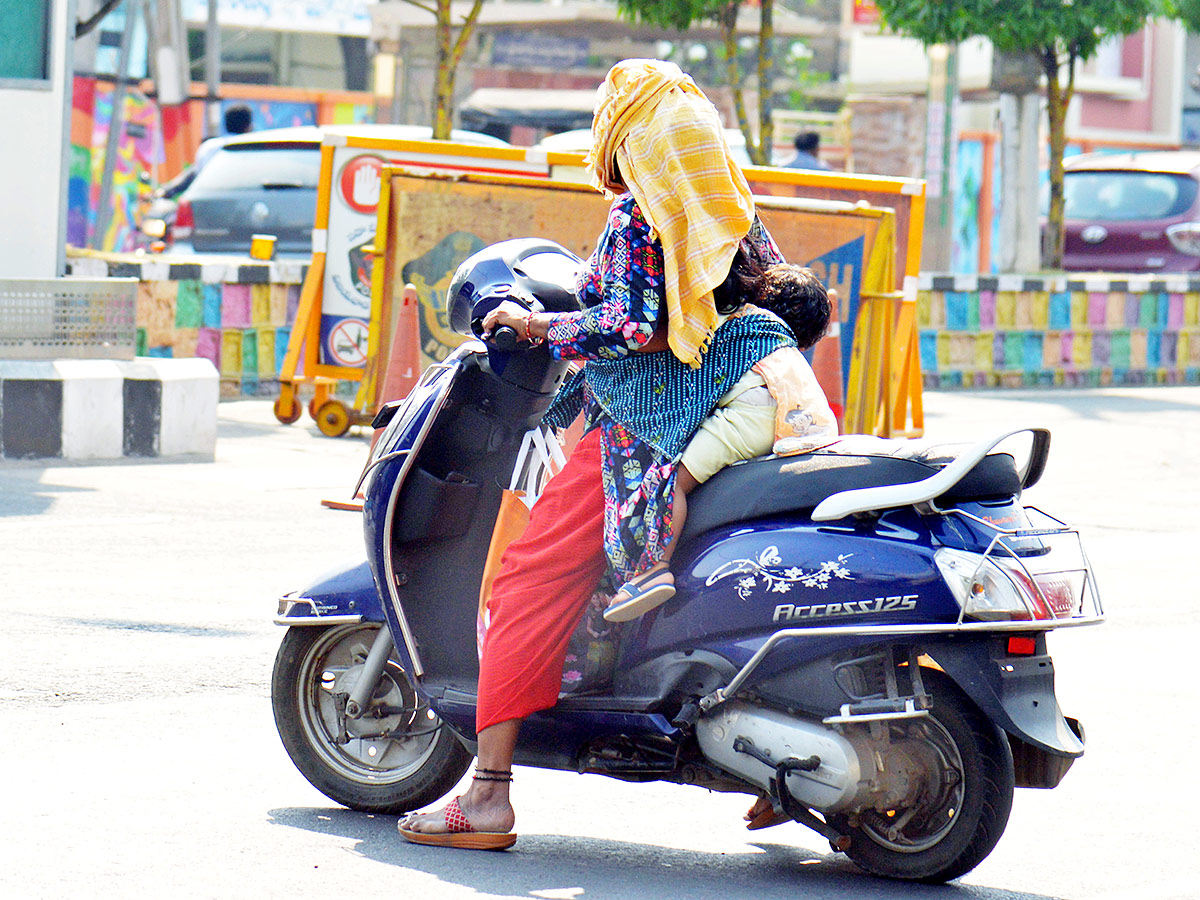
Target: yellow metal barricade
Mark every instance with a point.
(861, 234)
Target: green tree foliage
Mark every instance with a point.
(1058, 33)
(681, 14)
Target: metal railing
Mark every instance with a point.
(68, 318)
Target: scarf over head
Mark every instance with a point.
(656, 135)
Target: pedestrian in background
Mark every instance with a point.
(808, 146)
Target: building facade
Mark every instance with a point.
(34, 87)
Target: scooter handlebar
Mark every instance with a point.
(504, 337)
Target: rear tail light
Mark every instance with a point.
(1185, 237)
(1000, 589)
(185, 221)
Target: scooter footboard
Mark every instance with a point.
(1017, 693)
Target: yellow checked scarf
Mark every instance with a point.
(655, 123)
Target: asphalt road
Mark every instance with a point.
(138, 756)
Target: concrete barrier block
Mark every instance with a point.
(190, 390)
(170, 407)
(30, 409)
(105, 409)
(91, 408)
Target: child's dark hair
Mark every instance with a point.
(791, 292)
(797, 296)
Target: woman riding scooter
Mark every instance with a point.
(683, 210)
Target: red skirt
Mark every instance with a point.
(545, 580)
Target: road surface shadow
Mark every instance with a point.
(579, 868)
(24, 493)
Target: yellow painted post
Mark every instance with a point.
(310, 296)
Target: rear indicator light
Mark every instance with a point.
(1022, 645)
(185, 221)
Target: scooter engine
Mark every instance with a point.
(828, 771)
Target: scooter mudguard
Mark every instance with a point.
(1015, 692)
(337, 597)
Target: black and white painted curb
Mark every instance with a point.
(106, 409)
(1057, 284)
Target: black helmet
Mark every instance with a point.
(537, 273)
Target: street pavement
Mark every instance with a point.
(138, 756)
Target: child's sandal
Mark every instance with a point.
(640, 595)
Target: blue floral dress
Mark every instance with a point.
(647, 405)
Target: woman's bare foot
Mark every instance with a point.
(761, 805)
(486, 806)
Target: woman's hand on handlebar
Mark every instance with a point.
(531, 327)
(507, 313)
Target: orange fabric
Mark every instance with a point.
(511, 521)
(546, 578)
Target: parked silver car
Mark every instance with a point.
(266, 182)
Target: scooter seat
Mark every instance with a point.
(776, 485)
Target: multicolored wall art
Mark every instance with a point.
(1007, 331)
(139, 154)
(1017, 331)
(239, 316)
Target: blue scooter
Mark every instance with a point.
(859, 632)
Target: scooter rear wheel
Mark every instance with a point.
(396, 757)
(963, 805)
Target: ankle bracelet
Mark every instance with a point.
(492, 774)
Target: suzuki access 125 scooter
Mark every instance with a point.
(859, 632)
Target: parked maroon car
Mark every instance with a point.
(1133, 212)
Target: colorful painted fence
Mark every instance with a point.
(237, 315)
(1017, 331)
(975, 331)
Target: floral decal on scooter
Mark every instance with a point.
(779, 582)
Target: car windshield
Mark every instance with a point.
(254, 166)
(1124, 196)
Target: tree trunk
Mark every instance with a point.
(760, 153)
(449, 54)
(733, 73)
(443, 84)
(1058, 99)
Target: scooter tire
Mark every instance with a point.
(418, 764)
(985, 766)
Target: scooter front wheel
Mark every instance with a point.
(397, 756)
(963, 797)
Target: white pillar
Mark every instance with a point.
(1019, 250)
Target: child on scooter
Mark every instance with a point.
(777, 406)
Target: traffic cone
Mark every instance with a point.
(403, 367)
(401, 371)
(827, 362)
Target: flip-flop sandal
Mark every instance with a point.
(459, 833)
(640, 595)
(764, 815)
(768, 818)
